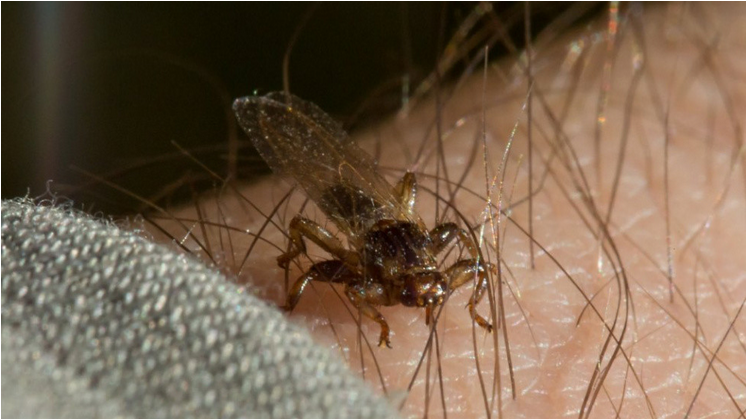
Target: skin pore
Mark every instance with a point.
(632, 305)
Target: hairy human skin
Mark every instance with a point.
(638, 229)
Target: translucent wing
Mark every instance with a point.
(298, 139)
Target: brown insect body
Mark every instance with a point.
(392, 256)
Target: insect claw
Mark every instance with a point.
(484, 324)
(384, 341)
(479, 319)
(283, 262)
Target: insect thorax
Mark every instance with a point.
(397, 247)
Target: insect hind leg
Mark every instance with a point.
(302, 227)
(327, 271)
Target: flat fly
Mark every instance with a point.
(390, 257)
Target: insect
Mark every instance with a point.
(391, 257)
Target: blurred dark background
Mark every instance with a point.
(107, 87)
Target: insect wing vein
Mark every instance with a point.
(298, 139)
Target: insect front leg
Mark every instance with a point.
(364, 297)
(302, 227)
(327, 271)
(463, 272)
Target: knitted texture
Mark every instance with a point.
(100, 322)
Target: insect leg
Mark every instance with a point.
(364, 297)
(327, 271)
(442, 235)
(406, 190)
(463, 272)
(300, 227)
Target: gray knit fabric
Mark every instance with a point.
(99, 322)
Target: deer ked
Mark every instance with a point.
(391, 257)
